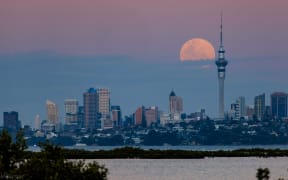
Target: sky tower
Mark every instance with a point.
(221, 64)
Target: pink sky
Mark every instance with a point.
(154, 30)
(151, 28)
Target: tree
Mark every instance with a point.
(50, 163)
(11, 153)
(263, 174)
(5, 152)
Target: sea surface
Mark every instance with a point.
(196, 147)
(219, 168)
(194, 169)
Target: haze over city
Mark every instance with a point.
(58, 49)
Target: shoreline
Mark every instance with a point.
(138, 153)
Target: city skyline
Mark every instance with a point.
(236, 109)
(133, 50)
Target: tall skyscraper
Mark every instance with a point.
(52, 112)
(279, 104)
(91, 109)
(104, 107)
(175, 104)
(71, 111)
(259, 106)
(104, 102)
(11, 121)
(221, 64)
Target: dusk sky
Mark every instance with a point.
(57, 49)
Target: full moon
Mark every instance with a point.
(197, 49)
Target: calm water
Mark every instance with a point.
(202, 148)
(193, 169)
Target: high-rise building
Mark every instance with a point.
(238, 109)
(268, 113)
(71, 111)
(242, 106)
(279, 104)
(139, 116)
(80, 116)
(235, 111)
(116, 116)
(37, 124)
(221, 64)
(175, 104)
(104, 107)
(11, 121)
(52, 112)
(104, 102)
(91, 109)
(164, 118)
(259, 106)
(249, 112)
(151, 115)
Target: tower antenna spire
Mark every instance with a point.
(221, 27)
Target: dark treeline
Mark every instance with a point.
(130, 152)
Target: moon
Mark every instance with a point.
(197, 49)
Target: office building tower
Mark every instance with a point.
(235, 115)
(279, 104)
(238, 109)
(164, 118)
(116, 116)
(104, 102)
(71, 111)
(259, 106)
(52, 112)
(104, 108)
(90, 99)
(151, 115)
(11, 122)
(242, 106)
(37, 122)
(139, 116)
(175, 104)
(80, 116)
(268, 113)
(221, 64)
(249, 112)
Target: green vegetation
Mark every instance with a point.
(50, 163)
(264, 174)
(131, 152)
